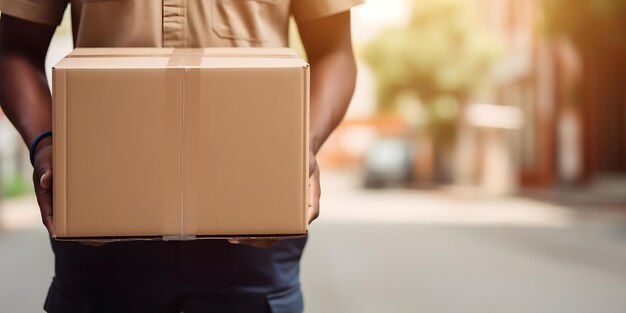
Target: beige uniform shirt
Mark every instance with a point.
(177, 23)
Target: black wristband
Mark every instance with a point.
(33, 145)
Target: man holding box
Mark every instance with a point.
(197, 276)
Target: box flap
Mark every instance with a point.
(155, 58)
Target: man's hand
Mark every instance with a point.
(313, 208)
(42, 180)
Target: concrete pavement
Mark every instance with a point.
(409, 268)
(409, 251)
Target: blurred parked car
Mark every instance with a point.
(388, 162)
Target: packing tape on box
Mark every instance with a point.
(184, 52)
(198, 55)
(180, 66)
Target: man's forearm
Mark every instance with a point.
(333, 78)
(24, 96)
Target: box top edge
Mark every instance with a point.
(146, 51)
(166, 63)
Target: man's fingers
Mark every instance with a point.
(312, 163)
(48, 223)
(45, 180)
(44, 199)
(313, 210)
(42, 180)
(45, 207)
(93, 244)
(259, 243)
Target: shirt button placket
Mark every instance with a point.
(174, 23)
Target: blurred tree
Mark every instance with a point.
(441, 57)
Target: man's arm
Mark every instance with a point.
(25, 97)
(328, 45)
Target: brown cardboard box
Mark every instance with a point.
(180, 143)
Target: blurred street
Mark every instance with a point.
(492, 135)
(409, 251)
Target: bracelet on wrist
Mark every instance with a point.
(33, 145)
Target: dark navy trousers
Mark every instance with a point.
(176, 276)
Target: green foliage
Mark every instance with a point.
(442, 53)
(16, 186)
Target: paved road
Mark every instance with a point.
(26, 267)
(422, 252)
(447, 269)
(411, 268)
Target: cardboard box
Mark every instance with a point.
(180, 143)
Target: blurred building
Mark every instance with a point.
(572, 102)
